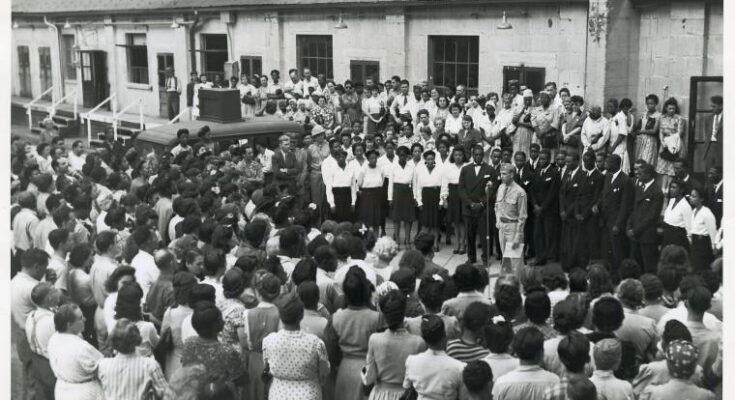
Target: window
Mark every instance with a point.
(165, 60)
(44, 62)
(214, 55)
(70, 68)
(315, 52)
(453, 61)
(360, 71)
(137, 58)
(24, 71)
(533, 77)
(250, 65)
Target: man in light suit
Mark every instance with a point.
(713, 150)
(286, 168)
(173, 93)
(475, 188)
(643, 220)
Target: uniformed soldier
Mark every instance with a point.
(511, 211)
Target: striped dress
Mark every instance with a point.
(466, 352)
(125, 376)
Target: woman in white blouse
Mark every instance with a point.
(677, 217)
(620, 126)
(426, 191)
(372, 195)
(703, 232)
(374, 110)
(400, 198)
(202, 84)
(341, 188)
(450, 197)
(453, 123)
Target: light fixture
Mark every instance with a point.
(174, 24)
(341, 23)
(67, 25)
(15, 24)
(504, 24)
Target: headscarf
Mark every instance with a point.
(681, 358)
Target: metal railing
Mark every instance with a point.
(115, 116)
(178, 117)
(30, 105)
(88, 115)
(52, 110)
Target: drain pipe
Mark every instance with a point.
(58, 47)
(192, 41)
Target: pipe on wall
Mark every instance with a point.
(58, 52)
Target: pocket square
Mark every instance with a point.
(647, 199)
(616, 190)
(575, 185)
(548, 179)
(487, 176)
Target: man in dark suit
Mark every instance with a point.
(643, 220)
(544, 195)
(524, 178)
(682, 173)
(617, 199)
(568, 199)
(714, 193)
(495, 155)
(533, 156)
(713, 148)
(475, 187)
(286, 168)
(587, 212)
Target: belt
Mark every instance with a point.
(507, 220)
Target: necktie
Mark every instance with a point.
(405, 100)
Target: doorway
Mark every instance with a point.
(95, 86)
(360, 71)
(700, 118)
(165, 60)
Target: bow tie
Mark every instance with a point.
(478, 165)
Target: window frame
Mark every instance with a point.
(138, 74)
(24, 71)
(250, 62)
(364, 65)
(523, 70)
(70, 59)
(45, 70)
(204, 51)
(471, 64)
(308, 54)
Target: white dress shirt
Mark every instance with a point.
(592, 129)
(39, 328)
(703, 223)
(386, 164)
(370, 177)
(265, 160)
(341, 177)
(715, 123)
(679, 214)
(76, 162)
(450, 176)
(453, 125)
(146, 271)
(425, 178)
(398, 174)
(327, 168)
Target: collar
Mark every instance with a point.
(265, 304)
(473, 293)
(718, 185)
(648, 185)
(615, 175)
(528, 368)
(546, 168)
(573, 172)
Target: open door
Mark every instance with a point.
(165, 60)
(700, 112)
(95, 86)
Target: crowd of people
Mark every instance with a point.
(219, 270)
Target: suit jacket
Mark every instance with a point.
(617, 200)
(545, 191)
(715, 202)
(646, 211)
(589, 193)
(289, 163)
(467, 138)
(524, 178)
(568, 193)
(713, 150)
(471, 186)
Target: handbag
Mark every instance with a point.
(667, 155)
(249, 100)
(164, 347)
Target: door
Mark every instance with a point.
(95, 87)
(44, 66)
(532, 77)
(700, 115)
(24, 72)
(360, 71)
(165, 60)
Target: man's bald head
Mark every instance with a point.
(165, 260)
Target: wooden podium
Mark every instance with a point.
(219, 105)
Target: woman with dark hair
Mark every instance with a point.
(400, 196)
(372, 196)
(671, 134)
(79, 287)
(387, 351)
(677, 216)
(432, 294)
(72, 359)
(128, 376)
(620, 127)
(433, 374)
(599, 282)
(174, 316)
(469, 282)
(221, 361)
(128, 306)
(674, 257)
(498, 338)
(703, 232)
(296, 360)
(646, 137)
(469, 136)
(232, 308)
(450, 197)
(323, 113)
(469, 345)
(568, 318)
(453, 121)
(122, 275)
(426, 191)
(258, 323)
(349, 332)
(555, 281)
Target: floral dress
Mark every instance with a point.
(351, 107)
(323, 116)
(220, 360)
(669, 126)
(646, 146)
(252, 171)
(232, 311)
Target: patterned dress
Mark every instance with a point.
(232, 310)
(252, 171)
(351, 108)
(221, 361)
(646, 146)
(669, 126)
(298, 362)
(323, 115)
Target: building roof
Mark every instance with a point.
(42, 7)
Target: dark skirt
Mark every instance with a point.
(674, 235)
(371, 206)
(454, 205)
(404, 205)
(430, 211)
(372, 127)
(342, 204)
(701, 255)
(386, 209)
